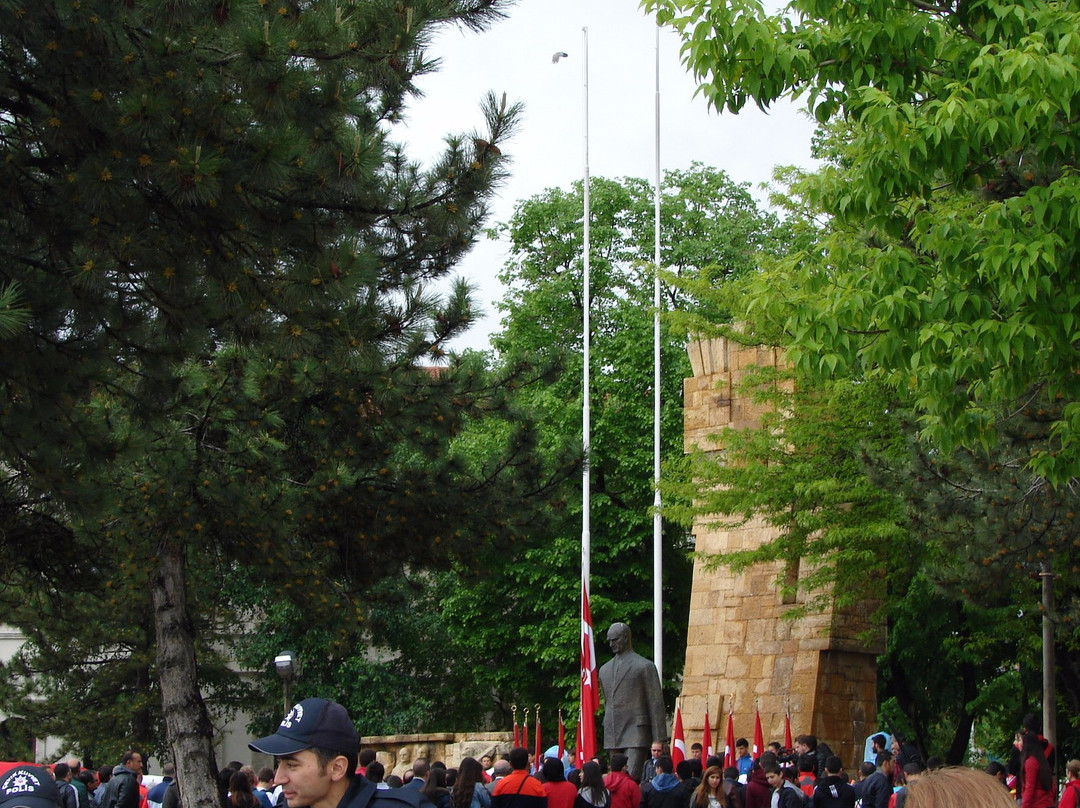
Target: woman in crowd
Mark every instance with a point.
(593, 793)
(435, 788)
(1036, 779)
(469, 791)
(710, 794)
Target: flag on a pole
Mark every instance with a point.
(590, 685)
(678, 742)
(706, 737)
(537, 756)
(517, 732)
(562, 736)
(525, 730)
(759, 739)
(729, 743)
(787, 732)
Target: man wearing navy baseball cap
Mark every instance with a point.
(315, 750)
(29, 787)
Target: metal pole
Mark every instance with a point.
(1049, 691)
(586, 503)
(658, 545)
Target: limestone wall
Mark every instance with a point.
(739, 645)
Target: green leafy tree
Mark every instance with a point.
(947, 265)
(224, 263)
(711, 229)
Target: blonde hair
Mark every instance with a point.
(956, 787)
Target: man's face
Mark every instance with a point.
(135, 764)
(618, 640)
(775, 779)
(302, 780)
(695, 754)
(801, 748)
(888, 767)
(656, 751)
(741, 751)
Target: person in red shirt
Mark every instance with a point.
(625, 792)
(1036, 779)
(1070, 795)
(560, 793)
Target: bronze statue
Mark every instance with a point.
(634, 714)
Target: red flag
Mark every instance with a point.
(787, 732)
(759, 739)
(562, 736)
(536, 754)
(706, 737)
(590, 685)
(729, 743)
(678, 743)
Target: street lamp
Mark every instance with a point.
(286, 666)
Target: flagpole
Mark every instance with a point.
(586, 502)
(658, 559)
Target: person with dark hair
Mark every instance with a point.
(807, 775)
(375, 773)
(240, 794)
(560, 794)
(435, 787)
(625, 792)
(393, 781)
(833, 790)
(469, 791)
(122, 790)
(1036, 779)
(742, 757)
(663, 790)
(69, 797)
(592, 793)
(734, 790)
(316, 747)
(518, 789)
(710, 793)
(364, 759)
(876, 789)
(788, 795)
(420, 770)
(758, 793)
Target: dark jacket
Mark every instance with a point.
(122, 791)
(791, 796)
(663, 791)
(876, 790)
(834, 792)
(362, 793)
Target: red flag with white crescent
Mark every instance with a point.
(678, 742)
(787, 731)
(590, 685)
(729, 743)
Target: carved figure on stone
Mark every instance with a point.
(634, 714)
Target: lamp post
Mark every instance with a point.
(286, 666)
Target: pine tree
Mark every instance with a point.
(224, 261)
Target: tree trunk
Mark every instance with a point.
(187, 724)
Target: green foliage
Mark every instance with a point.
(225, 265)
(946, 268)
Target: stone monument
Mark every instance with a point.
(739, 646)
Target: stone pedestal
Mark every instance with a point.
(739, 646)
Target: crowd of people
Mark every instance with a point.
(319, 764)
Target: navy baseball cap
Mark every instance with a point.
(29, 787)
(312, 722)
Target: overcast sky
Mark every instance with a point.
(515, 56)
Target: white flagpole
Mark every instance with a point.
(586, 536)
(658, 563)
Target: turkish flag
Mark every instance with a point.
(590, 685)
(729, 743)
(706, 737)
(678, 743)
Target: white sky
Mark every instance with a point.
(514, 56)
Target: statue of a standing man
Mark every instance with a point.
(634, 714)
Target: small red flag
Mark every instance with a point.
(787, 732)
(538, 749)
(678, 742)
(759, 739)
(590, 686)
(562, 736)
(729, 743)
(706, 737)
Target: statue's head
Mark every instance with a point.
(618, 637)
